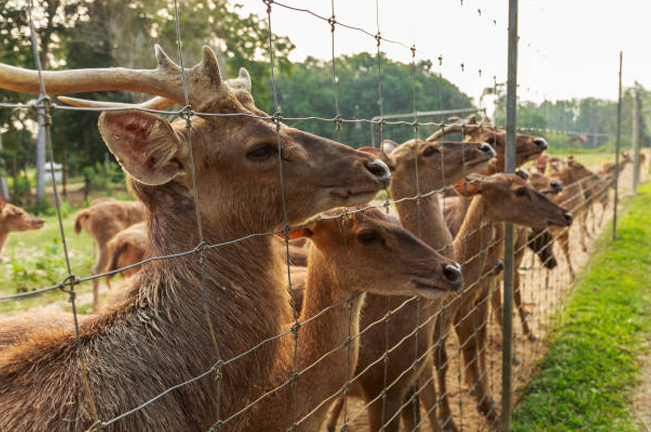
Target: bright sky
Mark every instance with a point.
(568, 48)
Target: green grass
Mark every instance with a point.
(585, 380)
(35, 259)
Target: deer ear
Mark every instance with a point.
(389, 146)
(144, 144)
(470, 186)
(297, 233)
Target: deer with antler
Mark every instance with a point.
(183, 318)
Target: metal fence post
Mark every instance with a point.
(509, 165)
(637, 117)
(619, 130)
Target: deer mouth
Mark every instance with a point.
(427, 288)
(354, 196)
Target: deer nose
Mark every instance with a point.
(380, 171)
(541, 142)
(568, 218)
(557, 185)
(487, 149)
(452, 274)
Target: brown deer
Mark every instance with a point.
(126, 248)
(437, 164)
(497, 199)
(160, 336)
(535, 238)
(102, 220)
(14, 219)
(365, 252)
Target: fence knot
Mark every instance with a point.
(70, 281)
(268, 3)
(42, 107)
(217, 369)
(332, 23)
(186, 114)
(378, 38)
(277, 118)
(413, 50)
(337, 122)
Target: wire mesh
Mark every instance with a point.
(406, 392)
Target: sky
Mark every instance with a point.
(567, 49)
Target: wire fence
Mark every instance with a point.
(397, 361)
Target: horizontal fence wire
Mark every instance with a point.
(597, 188)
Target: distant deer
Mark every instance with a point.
(102, 220)
(540, 243)
(438, 164)
(366, 252)
(160, 336)
(126, 248)
(14, 219)
(496, 199)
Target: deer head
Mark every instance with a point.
(14, 218)
(528, 147)
(237, 155)
(512, 199)
(374, 253)
(436, 164)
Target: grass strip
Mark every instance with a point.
(585, 381)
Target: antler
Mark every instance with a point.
(458, 126)
(240, 84)
(203, 80)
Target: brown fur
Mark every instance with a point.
(159, 337)
(343, 261)
(102, 220)
(497, 199)
(15, 219)
(438, 164)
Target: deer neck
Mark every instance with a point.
(473, 240)
(320, 340)
(423, 217)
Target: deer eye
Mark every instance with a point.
(521, 192)
(261, 153)
(429, 151)
(367, 237)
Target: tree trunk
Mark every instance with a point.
(4, 186)
(64, 174)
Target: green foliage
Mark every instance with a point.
(308, 91)
(585, 380)
(104, 177)
(42, 270)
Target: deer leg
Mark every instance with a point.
(496, 302)
(331, 424)
(392, 405)
(517, 297)
(441, 361)
(565, 245)
(98, 268)
(468, 341)
(411, 412)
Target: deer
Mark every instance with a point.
(166, 331)
(364, 253)
(15, 219)
(536, 239)
(102, 220)
(438, 164)
(126, 248)
(496, 199)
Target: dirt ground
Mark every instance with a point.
(544, 293)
